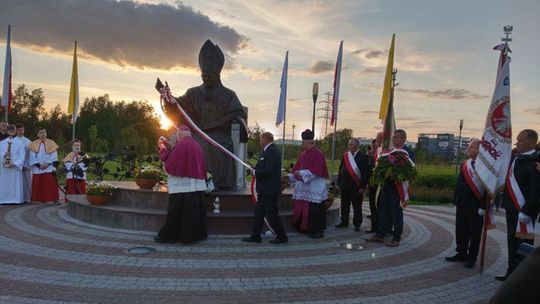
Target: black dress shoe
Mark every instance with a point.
(316, 235)
(251, 240)
(502, 278)
(356, 227)
(371, 230)
(456, 258)
(341, 225)
(278, 241)
(469, 264)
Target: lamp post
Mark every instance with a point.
(315, 95)
(459, 145)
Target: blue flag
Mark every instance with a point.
(283, 95)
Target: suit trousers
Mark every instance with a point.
(267, 206)
(512, 241)
(468, 232)
(390, 211)
(348, 197)
(373, 207)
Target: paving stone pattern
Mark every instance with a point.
(47, 257)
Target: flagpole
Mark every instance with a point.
(283, 142)
(334, 146)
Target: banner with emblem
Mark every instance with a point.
(496, 142)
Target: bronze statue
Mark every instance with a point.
(214, 108)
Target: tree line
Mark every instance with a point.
(102, 125)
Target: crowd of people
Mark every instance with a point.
(28, 175)
(28, 170)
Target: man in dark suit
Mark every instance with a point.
(469, 200)
(528, 181)
(268, 185)
(353, 177)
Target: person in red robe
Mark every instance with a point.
(186, 171)
(308, 179)
(42, 155)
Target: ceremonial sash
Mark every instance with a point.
(523, 231)
(351, 167)
(472, 180)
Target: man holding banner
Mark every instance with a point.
(354, 174)
(521, 197)
(469, 199)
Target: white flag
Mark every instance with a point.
(283, 95)
(496, 142)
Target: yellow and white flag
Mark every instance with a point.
(385, 100)
(73, 104)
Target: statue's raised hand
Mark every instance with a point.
(159, 85)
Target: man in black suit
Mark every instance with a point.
(528, 181)
(353, 177)
(469, 202)
(376, 145)
(268, 185)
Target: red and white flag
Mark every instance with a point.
(496, 143)
(337, 80)
(7, 95)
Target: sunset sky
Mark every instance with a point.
(443, 53)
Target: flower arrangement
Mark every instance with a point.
(99, 188)
(148, 173)
(394, 167)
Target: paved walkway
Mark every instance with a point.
(46, 257)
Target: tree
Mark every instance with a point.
(342, 141)
(27, 108)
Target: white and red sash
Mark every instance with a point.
(472, 180)
(476, 187)
(404, 187)
(523, 231)
(351, 167)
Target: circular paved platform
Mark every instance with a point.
(48, 257)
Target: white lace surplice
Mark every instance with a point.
(311, 188)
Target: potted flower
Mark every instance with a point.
(147, 177)
(99, 192)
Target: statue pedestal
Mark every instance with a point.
(132, 208)
(240, 150)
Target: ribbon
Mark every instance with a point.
(165, 94)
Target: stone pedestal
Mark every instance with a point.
(240, 150)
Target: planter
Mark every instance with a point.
(98, 200)
(146, 183)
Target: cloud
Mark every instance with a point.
(255, 73)
(533, 111)
(369, 53)
(454, 94)
(123, 33)
(322, 66)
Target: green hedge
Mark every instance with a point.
(438, 181)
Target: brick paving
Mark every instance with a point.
(46, 257)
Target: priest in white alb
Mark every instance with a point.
(26, 171)
(12, 156)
